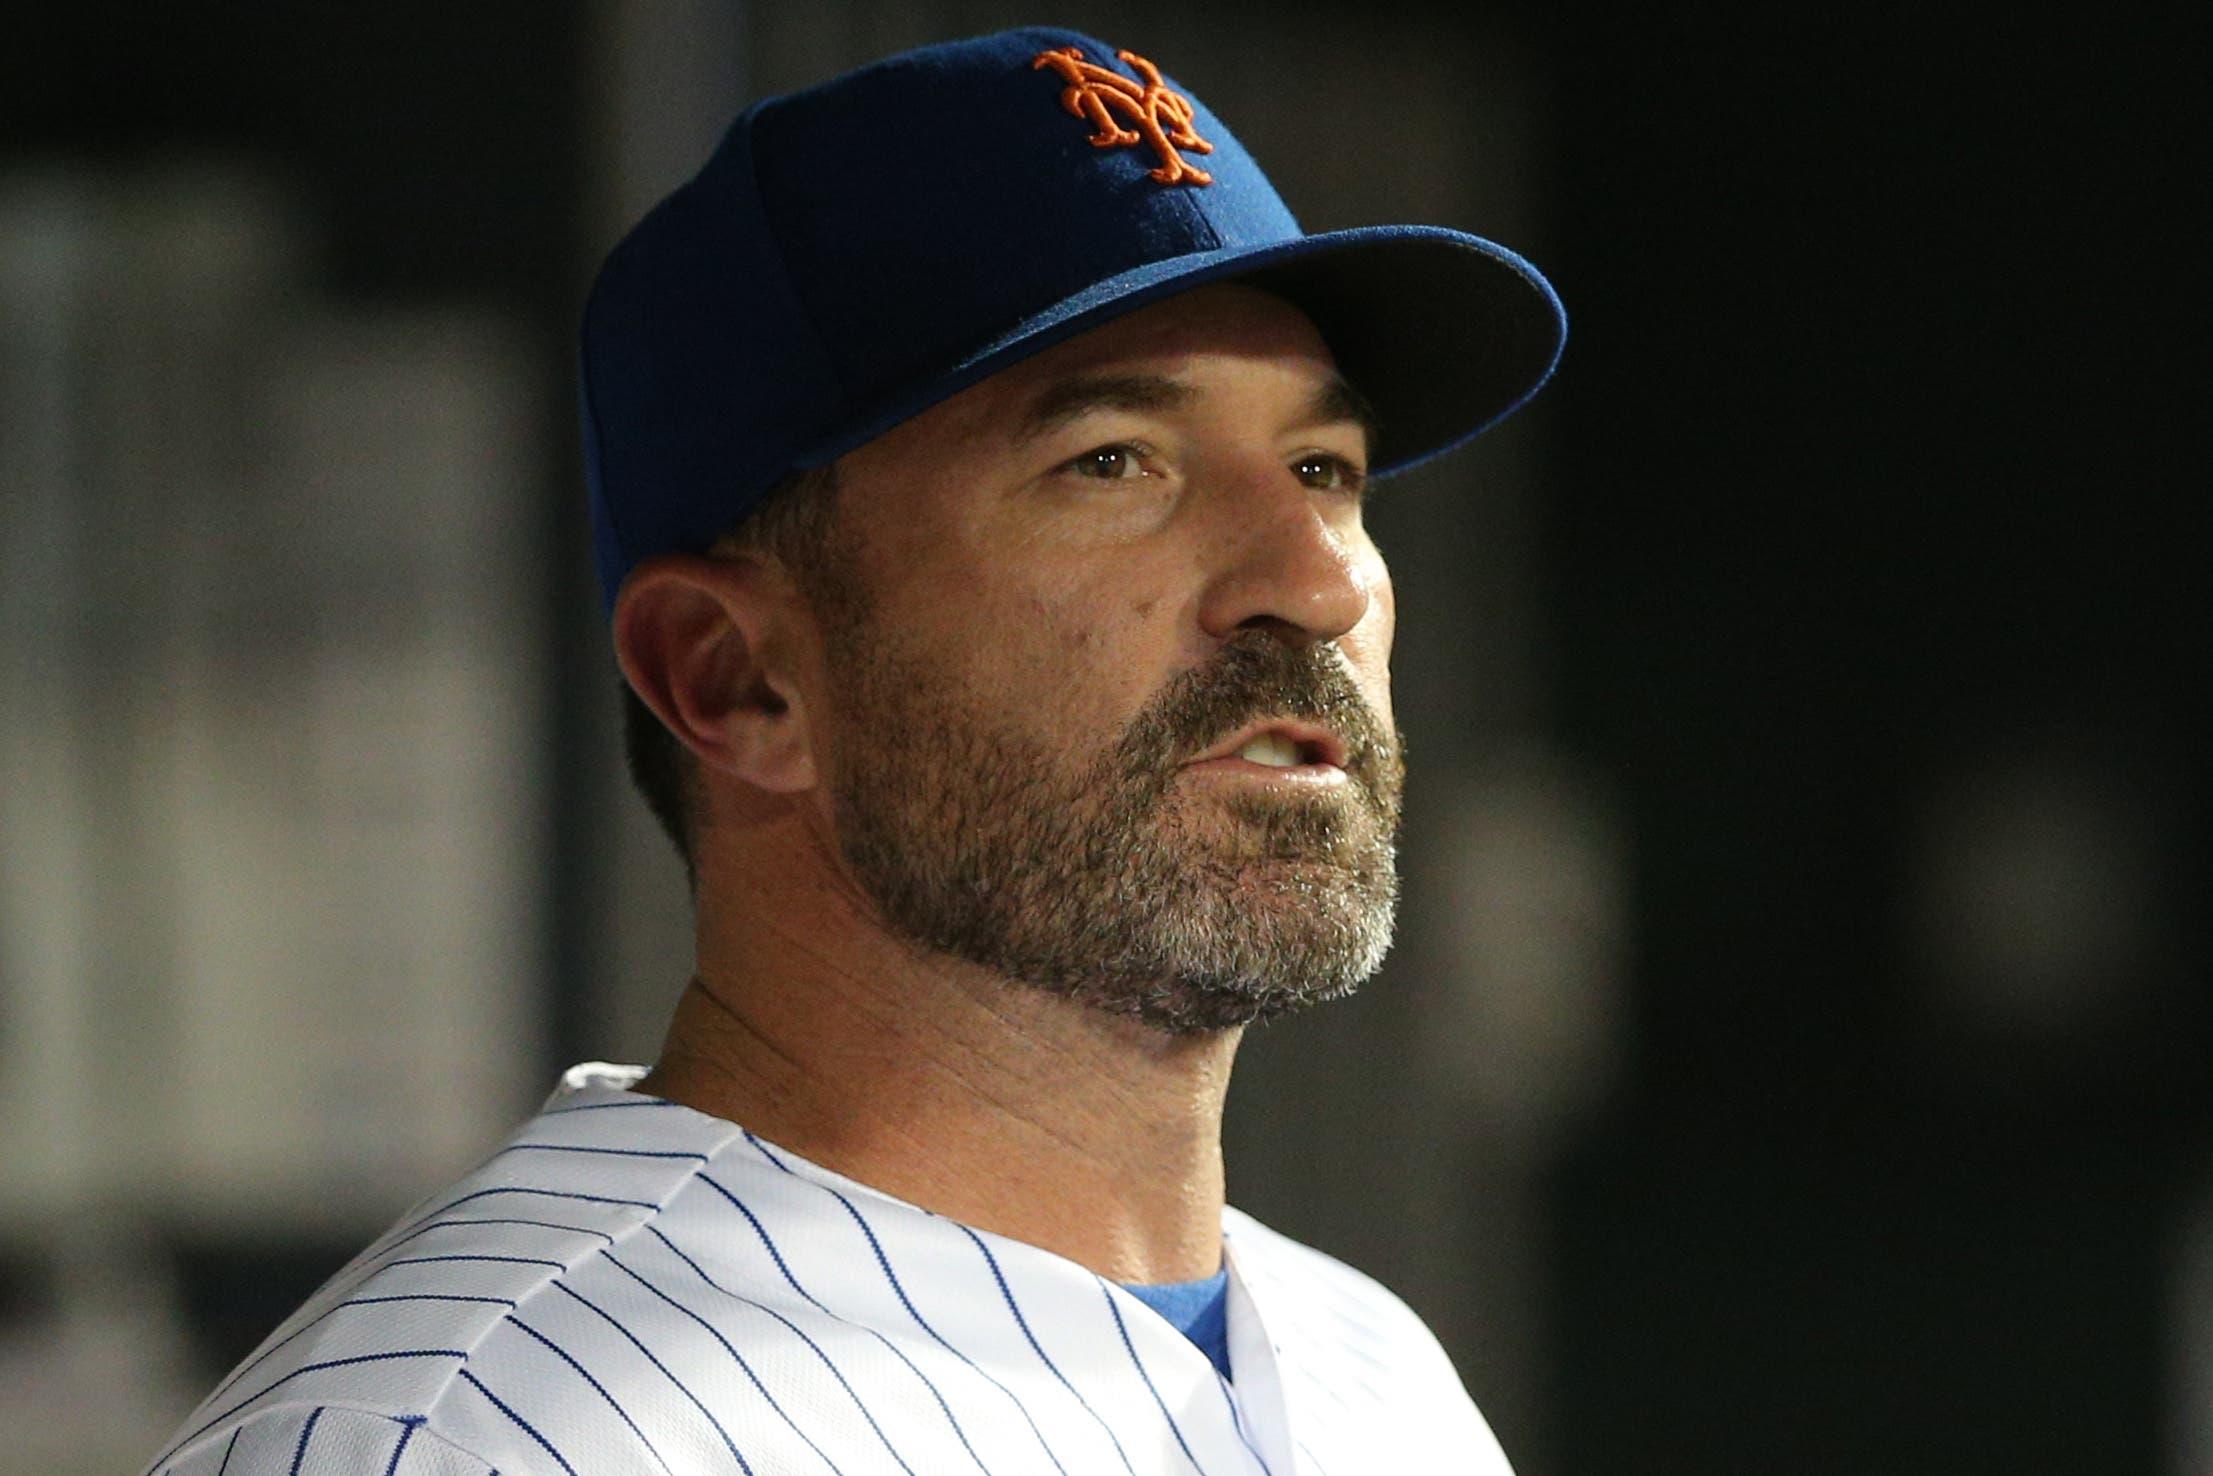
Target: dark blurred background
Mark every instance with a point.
(1796, 1056)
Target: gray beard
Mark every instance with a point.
(1111, 883)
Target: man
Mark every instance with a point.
(977, 452)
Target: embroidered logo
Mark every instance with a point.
(1158, 115)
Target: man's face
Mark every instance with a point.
(1060, 589)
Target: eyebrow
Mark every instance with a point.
(1071, 399)
(1334, 402)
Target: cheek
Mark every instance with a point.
(1024, 651)
(1089, 656)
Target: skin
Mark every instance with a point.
(1060, 592)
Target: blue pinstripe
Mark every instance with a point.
(586, 1374)
(892, 1276)
(1237, 1422)
(369, 1269)
(608, 1152)
(527, 1428)
(430, 1220)
(747, 1368)
(729, 1444)
(827, 1362)
(495, 1220)
(1024, 1323)
(929, 1267)
(307, 1433)
(479, 1256)
(1123, 1328)
(423, 1225)
(769, 1244)
(306, 1368)
(407, 1433)
(604, 1107)
(254, 1362)
(643, 1204)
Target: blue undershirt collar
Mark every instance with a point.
(1197, 1309)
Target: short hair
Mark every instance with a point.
(793, 524)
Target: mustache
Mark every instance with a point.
(1259, 675)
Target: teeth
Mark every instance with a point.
(1272, 749)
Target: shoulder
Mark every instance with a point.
(324, 1440)
(1346, 1344)
(1314, 1289)
(428, 1342)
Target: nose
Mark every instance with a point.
(1286, 561)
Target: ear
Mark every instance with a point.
(709, 645)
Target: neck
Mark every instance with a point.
(994, 1104)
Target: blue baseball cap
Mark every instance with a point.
(857, 252)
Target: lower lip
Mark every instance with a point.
(1302, 776)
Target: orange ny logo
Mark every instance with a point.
(1160, 116)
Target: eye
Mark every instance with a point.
(1327, 472)
(1116, 463)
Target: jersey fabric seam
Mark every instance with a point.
(229, 1430)
(530, 1297)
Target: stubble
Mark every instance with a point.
(1121, 882)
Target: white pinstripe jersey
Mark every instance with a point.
(629, 1286)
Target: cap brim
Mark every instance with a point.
(1444, 333)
